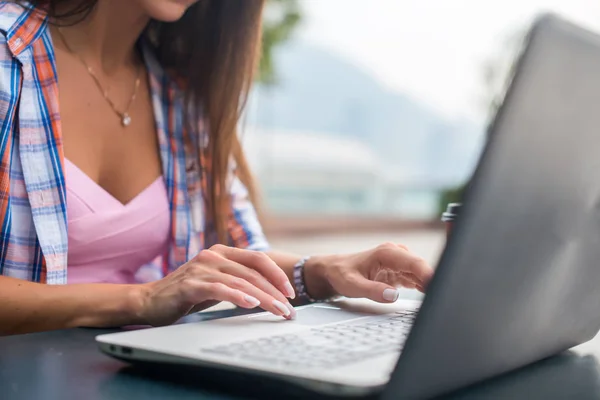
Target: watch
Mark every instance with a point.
(299, 281)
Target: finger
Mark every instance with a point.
(406, 284)
(255, 278)
(216, 275)
(394, 258)
(420, 269)
(203, 290)
(411, 278)
(266, 301)
(260, 262)
(358, 286)
(395, 278)
(203, 306)
(401, 281)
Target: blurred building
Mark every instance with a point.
(310, 173)
(413, 196)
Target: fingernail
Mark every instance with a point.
(391, 294)
(292, 311)
(254, 302)
(281, 307)
(291, 293)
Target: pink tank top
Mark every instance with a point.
(110, 241)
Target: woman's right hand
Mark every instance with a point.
(245, 278)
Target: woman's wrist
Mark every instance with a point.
(118, 305)
(315, 277)
(136, 303)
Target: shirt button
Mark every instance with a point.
(19, 41)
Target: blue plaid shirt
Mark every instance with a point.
(33, 209)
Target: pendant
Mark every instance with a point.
(126, 120)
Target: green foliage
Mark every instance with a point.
(280, 21)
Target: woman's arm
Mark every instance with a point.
(33, 307)
(374, 274)
(245, 278)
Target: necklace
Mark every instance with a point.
(124, 115)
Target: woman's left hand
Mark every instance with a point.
(373, 274)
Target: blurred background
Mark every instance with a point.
(368, 117)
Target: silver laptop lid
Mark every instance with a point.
(519, 278)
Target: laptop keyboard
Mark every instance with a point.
(328, 346)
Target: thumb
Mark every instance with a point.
(360, 286)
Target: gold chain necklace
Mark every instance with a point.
(124, 116)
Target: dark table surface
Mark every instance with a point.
(67, 365)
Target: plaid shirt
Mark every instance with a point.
(33, 209)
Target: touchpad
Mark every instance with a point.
(319, 315)
(314, 315)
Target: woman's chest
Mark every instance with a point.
(39, 130)
(109, 241)
(122, 159)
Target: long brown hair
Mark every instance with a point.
(214, 50)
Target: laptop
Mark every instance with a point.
(517, 281)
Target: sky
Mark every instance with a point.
(433, 50)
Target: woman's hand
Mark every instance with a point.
(374, 274)
(245, 278)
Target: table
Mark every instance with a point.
(67, 365)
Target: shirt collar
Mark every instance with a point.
(22, 25)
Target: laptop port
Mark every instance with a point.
(126, 351)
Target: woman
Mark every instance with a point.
(120, 165)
